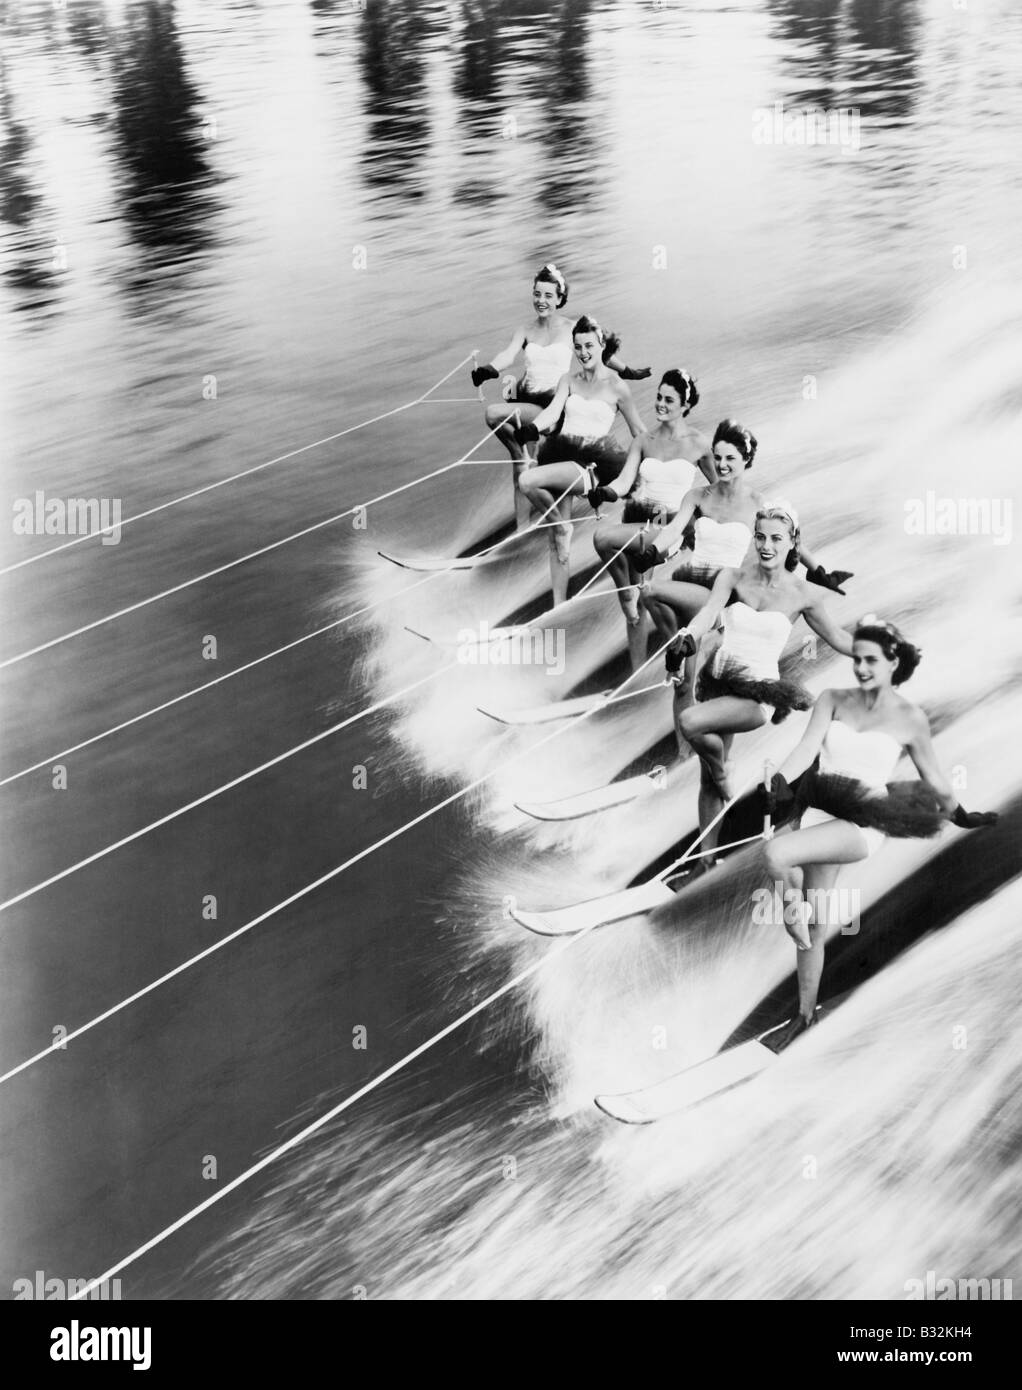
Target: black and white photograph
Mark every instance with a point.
(511, 775)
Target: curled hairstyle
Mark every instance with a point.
(588, 325)
(731, 432)
(684, 384)
(550, 275)
(892, 643)
(783, 511)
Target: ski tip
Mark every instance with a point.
(535, 809)
(622, 1109)
(590, 803)
(428, 565)
(493, 714)
(537, 922)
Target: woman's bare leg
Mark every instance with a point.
(543, 483)
(638, 640)
(523, 507)
(503, 416)
(673, 602)
(560, 551)
(685, 694)
(819, 852)
(550, 488)
(609, 540)
(809, 964)
(710, 727)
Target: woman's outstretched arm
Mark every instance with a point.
(807, 750)
(723, 588)
(507, 356)
(816, 615)
(548, 417)
(628, 408)
(922, 752)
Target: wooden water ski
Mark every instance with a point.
(603, 798)
(493, 637)
(546, 714)
(597, 912)
(460, 562)
(695, 1084)
(565, 709)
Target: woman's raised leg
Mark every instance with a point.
(503, 416)
(543, 483)
(805, 859)
(710, 727)
(671, 603)
(613, 543)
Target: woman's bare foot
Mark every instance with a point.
(780, 1038)
(797, 917)
(720, 771)
(630, 605)
(562, 534)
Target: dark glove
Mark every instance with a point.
(780, 798)
(526, 433)
(635, 373)
(832, 581)
(598, 495)
(683, 646)
(646, 560)
(776, 801)
(481, 374)
(972, 820)
(611, 346)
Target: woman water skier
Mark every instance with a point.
(741, 688)
(655, 480)
(859, 735)
(546, 347)
(582, 455)
(722, 516)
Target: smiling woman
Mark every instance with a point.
(581, 454)
(545, 346)
(859, 736)
(742, 688)
(656, 478)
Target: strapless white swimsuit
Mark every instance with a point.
(755, 639)
(664, 482)
(868, 755)
(588, 419)
(545, 364)
(720, 544)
